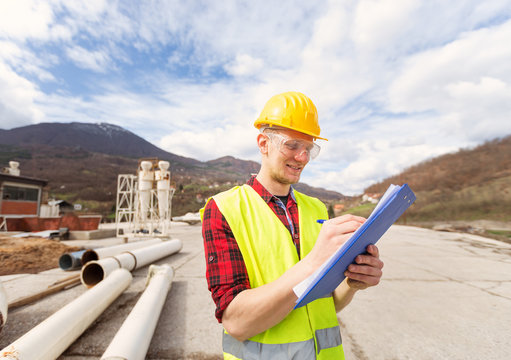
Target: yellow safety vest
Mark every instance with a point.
(309, 332)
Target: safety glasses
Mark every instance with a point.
(293, 147)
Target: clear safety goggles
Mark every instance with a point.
(293, 147)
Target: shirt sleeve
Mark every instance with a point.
(226, 272)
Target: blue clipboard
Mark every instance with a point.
(370, 232)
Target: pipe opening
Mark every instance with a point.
(92, 274)
(89, 255)
(66, 262)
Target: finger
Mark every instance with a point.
(345, 218)
(354, 284)
(365, 279)
(373, 250)
(365, 270)
(369, 260)
(343, 229)
(347, 227)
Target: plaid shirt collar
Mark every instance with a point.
(265, 194)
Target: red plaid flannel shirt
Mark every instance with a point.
(225, 269)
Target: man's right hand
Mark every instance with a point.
(333, 234)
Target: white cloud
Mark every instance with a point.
(244, 65)
(208, 144)
(23, 19)
(90, 9)
(483, 106)
(215, 35)
(18, 95)
(466, 81)
(25, 61)
(369, 161)
(92, 60)
(378, 23)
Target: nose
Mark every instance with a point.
(302, 156)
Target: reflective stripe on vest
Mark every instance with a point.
(268, 252)
(326, 338)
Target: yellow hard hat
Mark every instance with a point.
(292, 110)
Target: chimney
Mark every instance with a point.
(14, 168)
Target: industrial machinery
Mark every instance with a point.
(144, 201)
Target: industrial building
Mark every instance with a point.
(22, 208)
(20, 196)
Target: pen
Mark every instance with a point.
(320, 221)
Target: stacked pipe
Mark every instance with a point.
(101, 253)
(3, 306)
(75, 260)
(50, 338)
(95, 271)
(133, 338)
(71, 261)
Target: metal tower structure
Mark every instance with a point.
(144, 201)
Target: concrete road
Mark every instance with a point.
(443, 296)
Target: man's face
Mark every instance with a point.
(288, 153)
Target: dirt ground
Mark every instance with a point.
(30, 255)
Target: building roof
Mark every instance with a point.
(60, 203)
(22, 180)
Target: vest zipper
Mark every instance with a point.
(313, 333)
(290, 223)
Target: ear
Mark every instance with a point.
(262, 143)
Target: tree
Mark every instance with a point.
(331, 213)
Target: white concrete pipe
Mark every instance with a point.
(95, 271)
(53, 336)
(133, 338)
(71, 261)
(3, 306)
(101, 253)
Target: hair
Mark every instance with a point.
(270, 128)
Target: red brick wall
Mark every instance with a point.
(18, 207)
(71, 221)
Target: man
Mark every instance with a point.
(262, 239)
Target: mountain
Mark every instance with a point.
(470, 184)
(323, 194)
(82, 161)
(101, 138)
(231, 164)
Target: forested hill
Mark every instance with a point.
(467, 185)
(467, 167)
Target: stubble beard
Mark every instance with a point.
(282, 179)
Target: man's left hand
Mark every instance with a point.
(366, 271)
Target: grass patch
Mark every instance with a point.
(363, 210)
(500, 233)
(69, 197)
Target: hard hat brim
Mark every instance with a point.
(258, 123)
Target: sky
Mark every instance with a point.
(395, 82)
